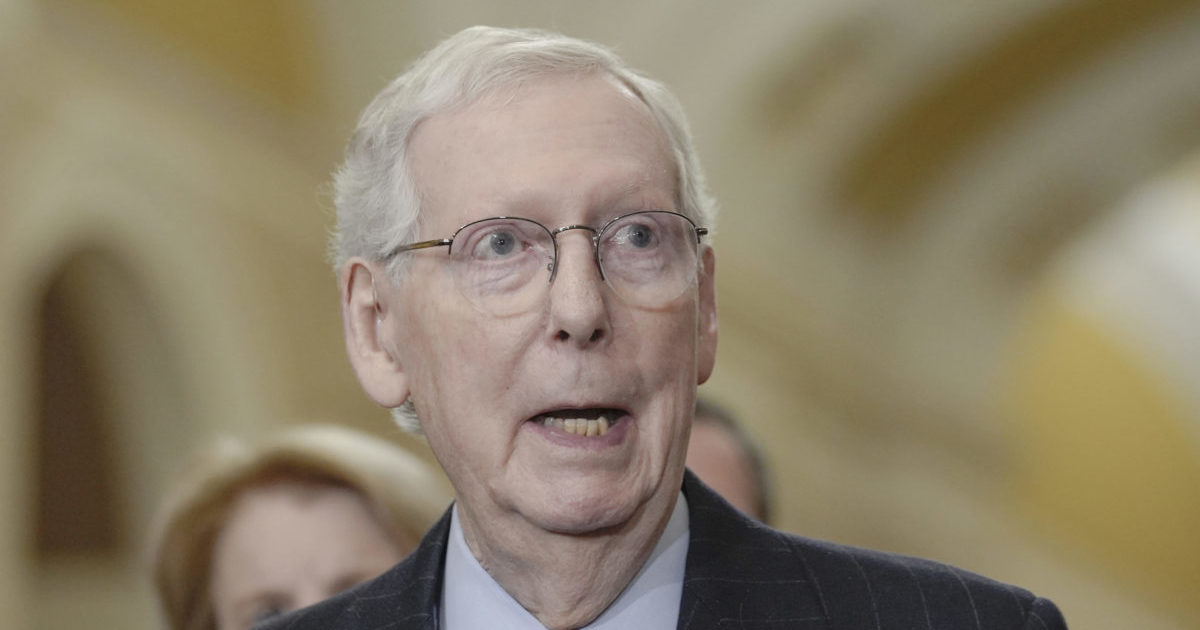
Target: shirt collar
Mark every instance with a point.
(472, 599)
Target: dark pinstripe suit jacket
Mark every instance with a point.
(740, 574)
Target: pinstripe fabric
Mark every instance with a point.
(740, 574)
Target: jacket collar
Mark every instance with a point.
(719, 536)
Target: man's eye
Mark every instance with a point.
(638, 235)
(502, 243)
(496, 244)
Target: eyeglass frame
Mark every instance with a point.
(448, 243)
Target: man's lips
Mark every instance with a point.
(588, 422)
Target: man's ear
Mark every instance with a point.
(367, 322)
(707, 348)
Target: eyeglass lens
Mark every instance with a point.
(504, 265)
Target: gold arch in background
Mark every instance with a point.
(889, 173)
(265, 47)
(1107, 464)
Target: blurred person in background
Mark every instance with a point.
(255, 530)
(723, 455)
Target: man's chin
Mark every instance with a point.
(583, 525)
(586, 513)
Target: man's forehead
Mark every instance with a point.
(463, 151)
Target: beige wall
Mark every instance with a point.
(903, 188)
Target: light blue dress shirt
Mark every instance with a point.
(471, 599)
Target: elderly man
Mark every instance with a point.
(523, 266)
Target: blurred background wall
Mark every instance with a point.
(958, 268)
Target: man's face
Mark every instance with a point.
(561, 151)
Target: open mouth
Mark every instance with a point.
(586, 422)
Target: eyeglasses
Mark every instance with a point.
(648, 258)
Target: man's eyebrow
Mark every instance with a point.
(517, 201)
(604, 198)
(642, 186)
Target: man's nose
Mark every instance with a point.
(578, 304)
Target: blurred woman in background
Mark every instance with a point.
(257, 530)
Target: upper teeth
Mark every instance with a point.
(578, 426)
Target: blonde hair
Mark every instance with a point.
(404, 495)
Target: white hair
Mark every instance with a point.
(377, 201)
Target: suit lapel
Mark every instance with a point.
(406, 596)
(740, 573)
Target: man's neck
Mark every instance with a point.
(566, 581)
